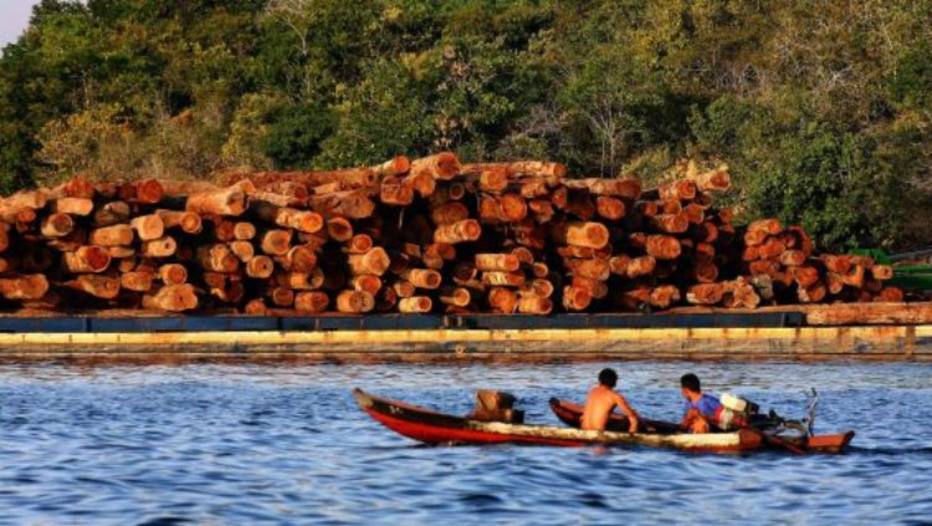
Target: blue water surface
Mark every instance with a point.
(254, 444)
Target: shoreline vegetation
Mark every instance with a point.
(822, 114)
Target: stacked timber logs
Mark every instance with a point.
(411, 236)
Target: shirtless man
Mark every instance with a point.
(601, 402)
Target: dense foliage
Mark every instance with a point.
(822, 110)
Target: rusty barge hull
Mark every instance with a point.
(761, 335)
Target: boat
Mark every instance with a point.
(571, 415)
(435, 428)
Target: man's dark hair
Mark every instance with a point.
(691, 382)
(608, 377)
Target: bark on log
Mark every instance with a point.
(77, 206)
(225, 202)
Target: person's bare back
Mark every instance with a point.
(601, 402)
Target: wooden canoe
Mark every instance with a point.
(571, 414)
(431, 427)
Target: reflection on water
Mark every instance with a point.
(252, 444)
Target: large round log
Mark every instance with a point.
(137, 281)
(313, 301)
(535, 305)
(148, 226)
(497, 262)
(173, 274)
(225, 202)
(276, 242)
(355, 302)
(576, 298)
(374, 261)
(159, 248)
(663, 247)
(592, 235)
(103, 287)
(24, 287)
(217, 258)
(423, 278)
(415, 304)
(503, 300)
(173, 298)
(111, 236)
(56, 225)
(77, 206)
(87, 259)
(705, 294)
(443, 166)
(260, 266)
(449, 213)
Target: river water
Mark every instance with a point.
(285, 444)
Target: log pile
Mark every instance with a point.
(411, 236)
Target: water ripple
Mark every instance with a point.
(284, 444)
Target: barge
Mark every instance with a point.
(875, 331)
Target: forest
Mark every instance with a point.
(822, 110)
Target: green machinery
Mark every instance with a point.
(908, 276)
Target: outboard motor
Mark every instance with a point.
(736, 411)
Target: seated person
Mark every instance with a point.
(601, 402)
(703, 413)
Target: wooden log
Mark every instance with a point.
(423, 278)
(256, 307)
(148, 226)
(339, 229)
(641, 266)
(589, 234)
(576, 298)
(302, 280)
(103, 287)
(663, 296)
(188, 222)
(812, 294)
(610, 208)
(890, 294)
(366, 282)
(111, 236)
(682, 189)
(695, 213)
(512, 207)
(299, 258)
(671, 223)
(663, 247)
(217, 258)
(755, 238)
(441, 166)
(276, 242)
(855, 276)
(459, 232)
(804, 276)
(542, 210)
(593, 268)
(87, 259)
(705, 294)
(503, 279)
(449, 213)
(244, 231)
(282, 297)
(137, 281)
(763, 267)
(456, 296)
(770, 226)
(793, 258)
(772, 248)
(535, 305)
(159, 248)
(705, 271)
(77, 186)
(173, 298)
(502, 300)
(497, 262)
(490, 209)
(56, 225)
(597, 288)
(374, 261)
(493, 179)
(313, 301)
(260, 266)
(421, 182)
(626, 188)
(404, 289)
(394, 192)
(224, 202)
(354, 302)
(359, 244)
(173, 274)
(24, 287)
(542, 288)
(397, 165)
(415, 304)
(244, 250)
(551, 172)
(223, 229)
(233, 292)
(77, 206)
(740, 294)
(300, 220)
